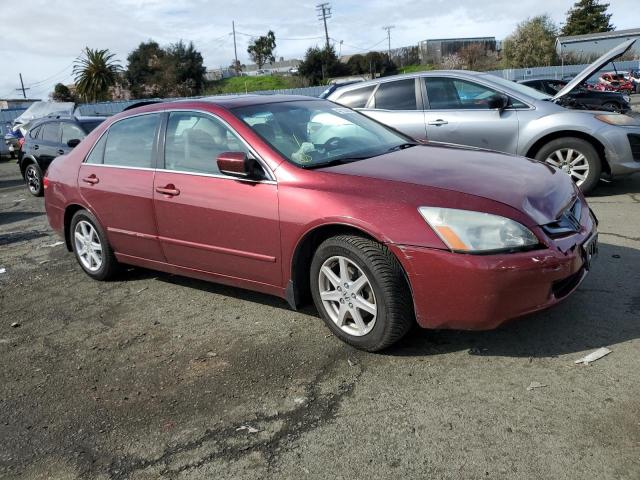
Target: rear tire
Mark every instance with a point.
(90, 246)
(33, 178)
(612, 106)
(576, 157)
(367, 302)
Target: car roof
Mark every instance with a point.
(233, 101)
(403, 76)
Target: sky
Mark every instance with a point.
(59, 30)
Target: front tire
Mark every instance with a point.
(612, 107)
(361, 293)
(91, 248)
(576, 157)
(33, 177)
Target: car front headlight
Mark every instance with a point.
(477, 232)
(617, 119)
(626, 98)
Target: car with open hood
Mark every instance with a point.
(487, 111)
(306, 199)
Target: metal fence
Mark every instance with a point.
(559, 72)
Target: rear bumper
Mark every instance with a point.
(480, 292)
(620, 153)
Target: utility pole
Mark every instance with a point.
(235, 50)
(324, 11)
(388, 29)
(24, 94)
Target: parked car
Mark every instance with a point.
(487, 111)
(371, 225)
(47, 139)
(11, 140)
(582, 97)
(615, 82)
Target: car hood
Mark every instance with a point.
(585, 74)
(534, 188)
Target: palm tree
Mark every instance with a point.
(95, 71)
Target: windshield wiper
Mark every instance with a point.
(335, 161)
(402, 146)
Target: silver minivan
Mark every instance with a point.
(486, 111)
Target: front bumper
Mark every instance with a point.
(480, 292)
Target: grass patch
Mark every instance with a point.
(251, 84)
(415, 68)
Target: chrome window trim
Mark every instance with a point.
(270, 181)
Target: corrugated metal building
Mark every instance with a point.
(590, 46)
(434, 50)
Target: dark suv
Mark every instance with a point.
(47, 139)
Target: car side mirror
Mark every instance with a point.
(239, 165)
(498, 102)
(73, 143)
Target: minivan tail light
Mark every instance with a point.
(45, 183)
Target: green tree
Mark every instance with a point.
(61, 93)
(320, 64)
(95, 71)
(587, 16)
(261, 49)
(145, 70)
(373, 63)
(186, 65)
(532, 44)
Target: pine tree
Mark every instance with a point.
(587, 16)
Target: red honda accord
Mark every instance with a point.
(302, 198)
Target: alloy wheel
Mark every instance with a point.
(88, 246)
(347, 296)
(33, 179)
(570, 161)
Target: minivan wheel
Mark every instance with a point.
(90, 246)
(360, 290)
(575, 156)
(33, 177)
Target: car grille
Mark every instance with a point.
(634, 141)
(568, 223)
(564, 287)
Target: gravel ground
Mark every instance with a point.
(157, 376)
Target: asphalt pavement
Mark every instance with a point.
(155, 376)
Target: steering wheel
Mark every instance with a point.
(332, 144)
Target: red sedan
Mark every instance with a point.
(305, 199)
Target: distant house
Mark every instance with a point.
(592, 45)
(7, 103)
(434, 50)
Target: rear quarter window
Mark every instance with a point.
(356, 98)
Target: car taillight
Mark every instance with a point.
(45, 182)
(21, 142)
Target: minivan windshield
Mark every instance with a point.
(316, 133)
(516, 87)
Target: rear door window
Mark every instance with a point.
(398, 95)
(130, 142)
(356, 98)
(71, 132)
(51, 132)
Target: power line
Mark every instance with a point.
(324, 11)
(24, 93)
(279, 38)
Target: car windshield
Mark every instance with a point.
(516, 87)
(320, 133)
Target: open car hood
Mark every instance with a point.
(608, 57)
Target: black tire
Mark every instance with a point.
(392, 294)
(612, 106)
(578, 145)
(110, 265)
(33, 178)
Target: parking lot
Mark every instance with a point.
(158, 376)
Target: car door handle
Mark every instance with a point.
(170, 190)
(92, 179)
(36, 147)
(60, 152)
(438, 122)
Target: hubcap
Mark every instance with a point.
(33, 181)
(88, 246)
(347, 296)
(572, 162)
